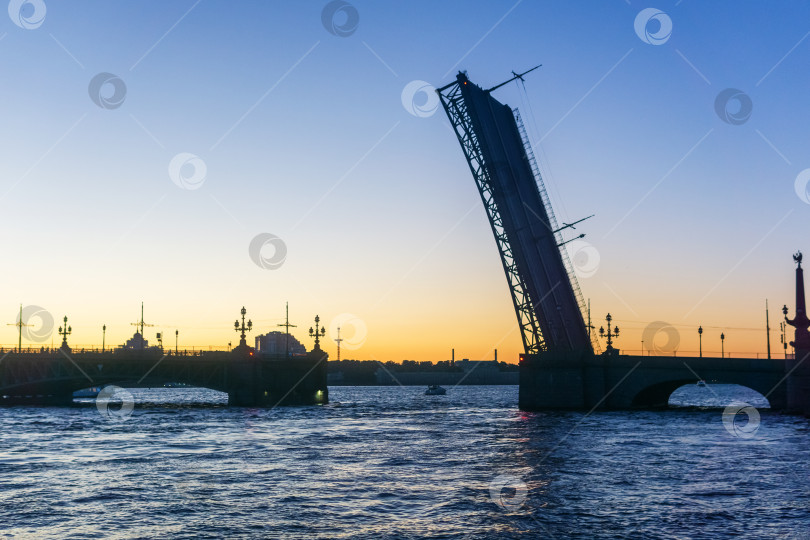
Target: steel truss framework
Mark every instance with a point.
(457, 112)
(530, 313)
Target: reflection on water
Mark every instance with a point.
(392, 462)
(716, 395)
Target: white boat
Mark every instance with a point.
(435, 390)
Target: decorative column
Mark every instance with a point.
(798, 368)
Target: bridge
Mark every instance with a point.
(561, 367)
(249, 379)
(617, 381)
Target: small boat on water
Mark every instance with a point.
(91, 392)
(435, 390)
(176, 385)
(701, 383)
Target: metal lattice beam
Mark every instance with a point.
(541, 281)
(456, 109)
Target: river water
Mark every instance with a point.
(390, 462)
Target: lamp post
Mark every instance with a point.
(317, 334)
(65, 331)
(611, 333)
(103, 337)
(243, 328)
(700, 338)
(785, 312)
(176, 336)
(722, 347)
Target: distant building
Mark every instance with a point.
(276, 343)
(479, 366)
(137, 342)
(466, 372)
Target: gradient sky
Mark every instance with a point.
(305, 136)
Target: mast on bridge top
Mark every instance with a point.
(139, 329)
(338, 340)
(515, 76)
(19, 324)
(287, 327)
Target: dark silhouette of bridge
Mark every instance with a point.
(617, 381)
(249, 379)
(560, 368)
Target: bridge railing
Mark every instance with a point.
(192, 351)
(708, 354)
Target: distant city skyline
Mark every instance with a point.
(206, 155)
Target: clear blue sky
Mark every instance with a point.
(304, 135)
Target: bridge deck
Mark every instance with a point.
(615, 381)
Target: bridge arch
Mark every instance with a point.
(658, 394)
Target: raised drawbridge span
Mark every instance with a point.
(559, 368)
(541, 279)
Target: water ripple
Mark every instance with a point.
(391, 463)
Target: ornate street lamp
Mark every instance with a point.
(612, 332)
(65, 331)
(243, 328)
(317, 333)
